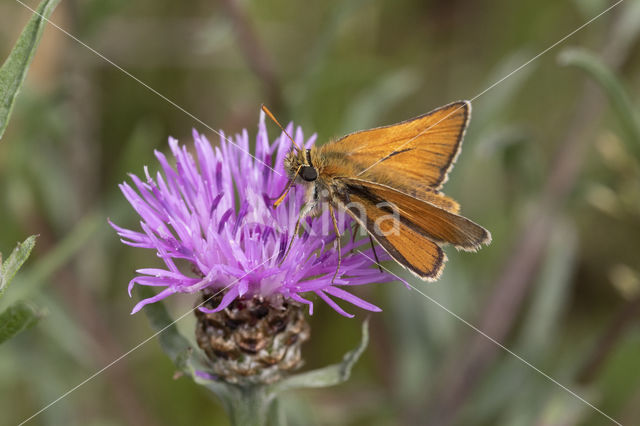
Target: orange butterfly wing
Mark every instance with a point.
(417, 153)
(435, 222)
(406, 245)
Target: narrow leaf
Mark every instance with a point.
(14, 69)
(19, 255)
(16, 318)
(612, 86)
(328, 376)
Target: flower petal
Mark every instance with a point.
(210, 218)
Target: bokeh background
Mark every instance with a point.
(550, 165)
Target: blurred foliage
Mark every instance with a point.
(19, 315)
(620, 101)
(80, 125)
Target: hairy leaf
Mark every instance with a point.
(15, 67)
(19, 255)
(328, 376)
(17, 318)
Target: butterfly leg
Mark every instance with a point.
(335, 227)
(373, 247)
(354, 232)
(295, 233)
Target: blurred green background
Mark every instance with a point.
(550, 165)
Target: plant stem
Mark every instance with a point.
(250, 406)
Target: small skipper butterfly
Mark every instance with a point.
(403, 165)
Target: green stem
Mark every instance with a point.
(250, 406)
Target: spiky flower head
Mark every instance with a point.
(213, 211)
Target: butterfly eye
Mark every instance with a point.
(308, 173)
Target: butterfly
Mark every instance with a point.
(389, 179)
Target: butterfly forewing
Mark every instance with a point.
(416, 153)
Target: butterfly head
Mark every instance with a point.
(300, 169)
(298, 163)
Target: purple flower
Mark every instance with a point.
(213, 212)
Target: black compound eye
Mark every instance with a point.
(308, 173)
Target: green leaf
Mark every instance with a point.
(328, 376)
(16, 318)
(19, 255)
(14, 69)
(612, 86)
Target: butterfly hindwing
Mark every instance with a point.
(405, 243)
(433, 221)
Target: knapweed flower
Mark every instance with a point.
(211, 220)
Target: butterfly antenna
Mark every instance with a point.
(271, 116)
(286, 189)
